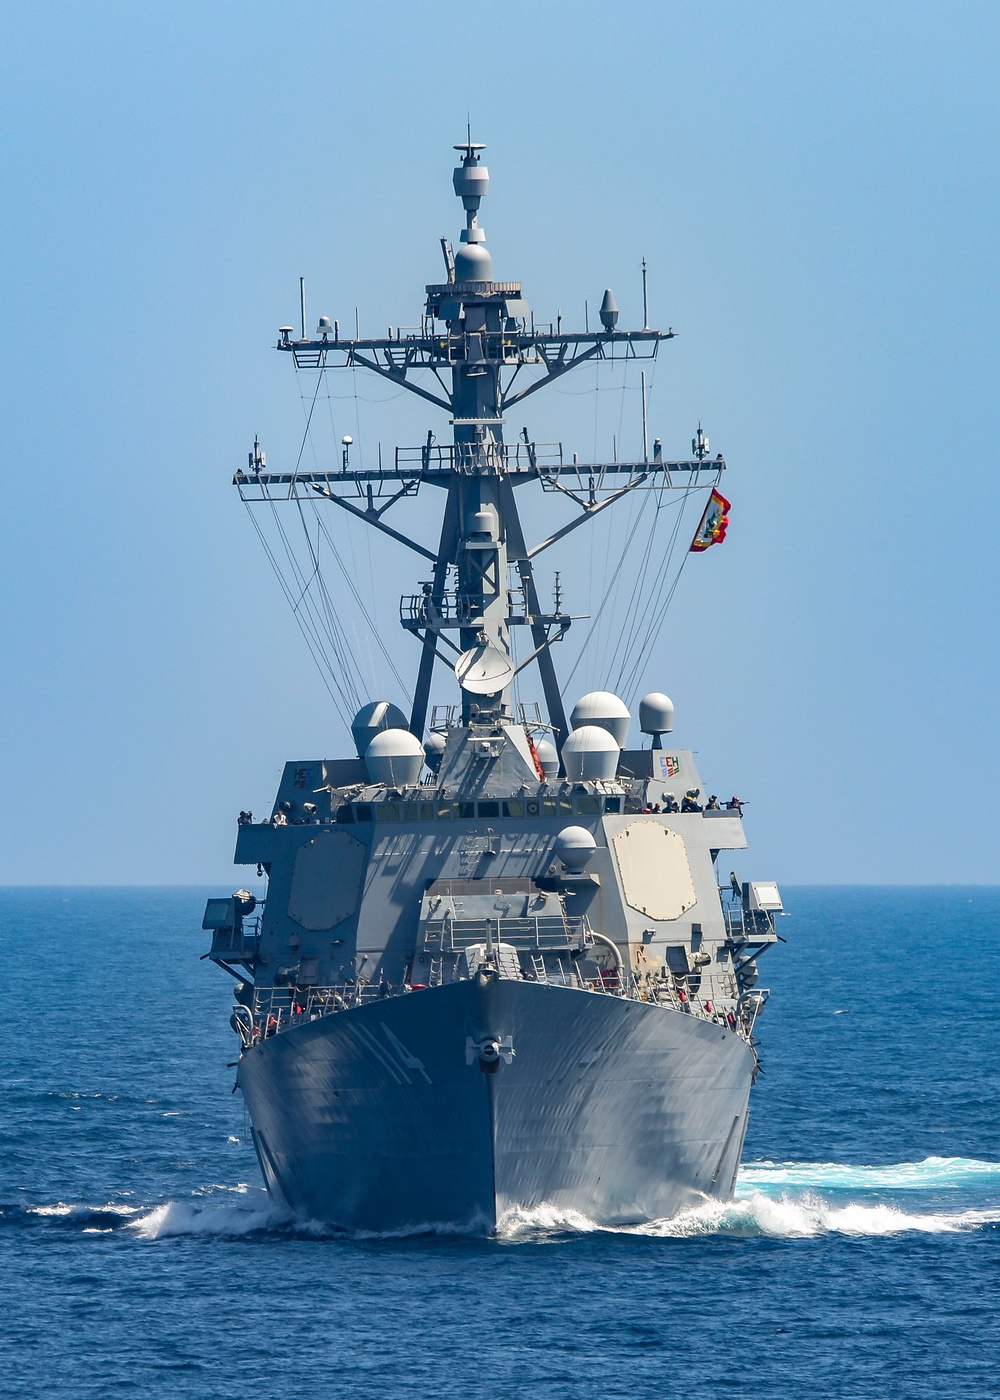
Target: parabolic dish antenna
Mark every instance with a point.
(484, 670)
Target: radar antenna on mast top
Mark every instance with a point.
(479, 347)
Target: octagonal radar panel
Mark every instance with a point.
(484, 670)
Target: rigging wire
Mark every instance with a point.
(636, 505)
(324, 379)
(387, 654)
(629, 644)
(315, 650)
(611, 587)
(328, 614)
(301, 579)
(633, 614)
(628, 679)
(341, 673)
(651, 597)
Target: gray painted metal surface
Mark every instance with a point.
(496, 984)
(383, 1119)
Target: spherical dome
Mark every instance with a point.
(656, 713)
(574, 847)
(590, 753)
(484, 522)
(473, 263)
(434, 746)
(547, 757)
(371, 720)
(602, 708)
(395, 757)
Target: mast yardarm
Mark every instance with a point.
(478, 352)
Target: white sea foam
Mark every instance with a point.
(786, 1218)
(754, 1216)
(780, 1200)
(227, 1218)
(788, 1200)
(543, 1219)
(932, 1174)
(64, 1208)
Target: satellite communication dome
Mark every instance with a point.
(602, 708)
(574, 847)
(395, 757)
(473, 263)
(590, 753)
(547, 757)
(434, 746)
(656, 713)
(371, 720)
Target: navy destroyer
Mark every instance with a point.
(495, 968)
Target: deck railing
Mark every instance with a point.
(273, 1010)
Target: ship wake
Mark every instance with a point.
(776, 1200)
(796, 1200)
(254, 1214)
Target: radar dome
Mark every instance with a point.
(590, 753)
(395, 757)
(574, 847)
(371, 720)
(656, 713)
(547, 757)
(605, 710)
(434, 746)
(473, 263)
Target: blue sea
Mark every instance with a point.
(861, 1258)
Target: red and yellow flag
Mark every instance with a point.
(714, 523)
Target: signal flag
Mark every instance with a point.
(714, 523)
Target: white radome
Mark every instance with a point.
(547, 757)
(395, 757)
(590, 754)
(372, 719)
(575, 846)
(605, 710)
(656, 713)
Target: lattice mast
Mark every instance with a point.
(476, 339)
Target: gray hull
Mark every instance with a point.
(381, 1118)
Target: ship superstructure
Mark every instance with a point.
(495, 967)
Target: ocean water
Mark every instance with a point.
(139, 1256)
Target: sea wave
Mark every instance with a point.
(780, 1200)
(754, 1216)
(76, 1216)
(791, 1200)
(933, 1174)
(807, 1216)
(208, 1217)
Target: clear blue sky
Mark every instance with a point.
(815, 189)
